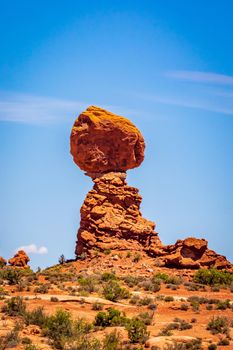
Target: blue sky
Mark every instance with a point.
(166, 65)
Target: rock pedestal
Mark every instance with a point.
(111, 218)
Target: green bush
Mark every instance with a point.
(14, 307)
(113, 291)
(112, 341)
(212, 347)
(110, 318)
(218, 324)
(42, 289)
(88, 284)
(224, 342)
(137, 331)
(36, 317)
(213, 277)
(97, 306)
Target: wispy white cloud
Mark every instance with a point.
(25, 108)
(32, 248)
(200, 77)
(191, 102)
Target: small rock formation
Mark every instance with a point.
(2, 261)
(20, 259)
(190, 253)
(105, 146)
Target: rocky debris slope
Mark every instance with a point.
(2, 261)
(103, 142)
(111, 218)
(190, 253)
(20, 259)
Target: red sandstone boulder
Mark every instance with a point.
(20, 259)
(103, 142)
(2, 261)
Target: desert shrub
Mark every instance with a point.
(88, 284)
(107, 251)
(11, 339)
(113, 291)
(195, 344)
(110, 318)
(3, 293)
(108, 276)
(132, 281)
(168, 279)
(195, 305)
(42, 289)
(13, 276)
(137, 257)
(212, 347)
(184, 307)
(223, 305)
(213, 277)
(97, 306)
(146, 317)
(112, 341)
(145, 301)
(137, 331)
(14, 307)
(224, 342)
(215, 289)
(36, 317)
(30, 347)
(209, 307)
(58, 328)
(150, 285)
(152, 306)
(54, 299)
(26, 340)
(134, 299)
(169, 298)
(218, 324)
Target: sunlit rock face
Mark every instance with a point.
(104, 142)
(20, 259)
(105, 146)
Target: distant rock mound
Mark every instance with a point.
(2, 261)
(190, 253)
(105, 146)
(20, 259)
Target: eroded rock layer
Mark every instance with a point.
(20, 259)
(111, 218)
(190, 253)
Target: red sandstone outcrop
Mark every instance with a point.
(103, 142)
(105, 146)
(2, 261)
(111, 218)
(190, 253)
(20, 259)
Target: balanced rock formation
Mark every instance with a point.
(103, 142)
(190, 253)
(105, 146)
(20, 259)
(2, 261)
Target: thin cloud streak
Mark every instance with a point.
(16, 107)
(200, 77)
(188, 103)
